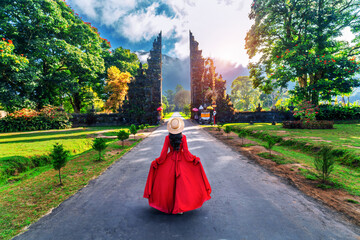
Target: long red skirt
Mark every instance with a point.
(177, 181)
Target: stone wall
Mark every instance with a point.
(97, 120)
(265, 116)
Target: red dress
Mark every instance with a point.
(177, 181)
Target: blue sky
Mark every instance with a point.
(220, 26)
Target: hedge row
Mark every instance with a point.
(309, 125)
(343, 156)
(10, 124)
(330, 112)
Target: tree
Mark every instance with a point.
(165, 104)
(60, 157)
(243, 95)
(170, 96)
(122, 135)
(178, 88)
(182, 98)
(99, 144)
(133, 129)
(117, 87)
(324, 162)
(297, 41)
(124, 60)
(64, 53)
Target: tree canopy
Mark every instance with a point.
(297, 40)
(49, 55)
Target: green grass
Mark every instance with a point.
(24, 202)
(346, 136)
(40, 142)
(342, 176)
(168, 115)
(185, 116)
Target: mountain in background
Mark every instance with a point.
(177, 71)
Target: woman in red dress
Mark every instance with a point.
(177, 182)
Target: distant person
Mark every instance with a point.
(176, 182)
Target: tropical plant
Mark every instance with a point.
(324, 162)
(60, 157)
(242, 134)
(123, 135)
(99, 144)
(270, 142)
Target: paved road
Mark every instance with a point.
(247, 202)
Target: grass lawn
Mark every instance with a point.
(25, 201)
(185, 116)
(345, 136)
(40, 142)
(168, 115)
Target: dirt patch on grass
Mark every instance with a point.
(337, 199)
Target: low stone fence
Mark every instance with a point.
(97, 120)
(265, 116)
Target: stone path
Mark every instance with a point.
(247, 202)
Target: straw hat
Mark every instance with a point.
(175, 125)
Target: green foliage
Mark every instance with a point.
(324, 162)
(147, 125)
(227, 130)
(124, 60)
(141, 126)
(99, 144)
(306, 111)
(242, 134)
(133, 129)
(297, 42)
(60, 157)
(186, 109)
(270, 142)
(243, 95)
(64, 54)
(335, 112)
(123, 135)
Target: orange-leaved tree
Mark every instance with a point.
(117, 87)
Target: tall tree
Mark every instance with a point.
(124, 60)
(117, 87)
(64, 53)
(297, 41)
(181, 99)
(243, 95)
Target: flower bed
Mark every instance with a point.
(30, 120)
(308, 124)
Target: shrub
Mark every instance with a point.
(99, 144)
(142, 126)
(308, 124)
(242, 134)
(29, 120)
(306, 111)
(122, 135)
(60, 157)
(133, 130)
(227, 130)
(330, 112)
(147, 125)
(270, 142)
(324, 162)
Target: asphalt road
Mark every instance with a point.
(247, 202)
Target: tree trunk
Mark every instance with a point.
(60, 176)
(75, 101)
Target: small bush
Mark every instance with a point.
(142, 126)
(270, 142)
(60, 156)
(99, 144)
(242, 134)
(324, 162)
(122, 135)
(147, 126)
(133, 129)
(227, 130)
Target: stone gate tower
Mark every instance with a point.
(196, 72)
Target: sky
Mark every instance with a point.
(219, 26)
